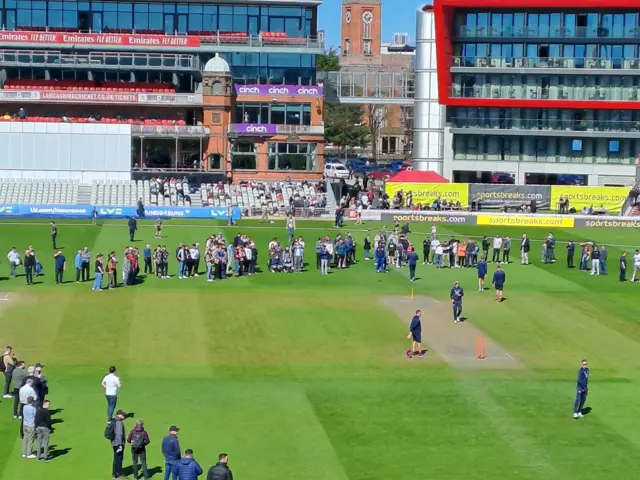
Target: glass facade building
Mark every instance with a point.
(159, 17)
(541, 82)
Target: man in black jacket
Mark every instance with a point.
(29, 266)
(133, 226)
(220, 471)
(43, 431)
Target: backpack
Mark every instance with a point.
(137, 440)
(110, 431)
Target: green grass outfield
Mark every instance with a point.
(303, 377)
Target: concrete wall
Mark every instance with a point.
(428, 115)
(65, 150)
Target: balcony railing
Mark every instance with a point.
(556, 62)
(265, 130)
(169, 131)
(546, 124)
(300, 129)
(525, 92)
(550, 32)
(96, 97)
(156, 39)
(98, 60)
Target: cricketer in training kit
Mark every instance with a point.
(415, 334)
(499, 278)
(456, 295)
(582, 390)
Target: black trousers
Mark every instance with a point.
(569, 261)
(59, 274)
(148, 268)
(141, 457)
(53, 241)
(196, 265)
(496, 255)
(16, 402)
(505, 256)
(28, 272)
(425, 254)
(86, 274)
(117, 462)
(317, 260)
(623, 275)
(131, 234)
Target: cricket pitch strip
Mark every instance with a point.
(455, 343)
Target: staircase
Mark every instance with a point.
(84, 195)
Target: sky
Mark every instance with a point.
(394, 19)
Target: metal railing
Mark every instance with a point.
(550, 32)
(300, 129)
(546, 62)
(378, 86)
(258, 41)
(169, 131)
(526, 92)
(546, 124)
(101, 60)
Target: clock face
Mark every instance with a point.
(367, 17)
(347, 17)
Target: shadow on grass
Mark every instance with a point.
(128, 471)
(55, 452)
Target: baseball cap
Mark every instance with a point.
(39, 365)
(173, 428)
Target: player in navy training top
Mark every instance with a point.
(498, 282)
(581, 390)
(456, 295)
(415, 333)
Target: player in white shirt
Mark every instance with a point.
(111, 384)
(497, 245)
(636, 265)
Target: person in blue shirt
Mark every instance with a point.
(147, 260)
(498, 282)
(457, 292)
(412, 260)
(482, 273)
(381, 259)
(581, 390)
(61, 265)
(77, 261)
(415, 334)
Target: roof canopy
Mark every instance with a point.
(414, 176)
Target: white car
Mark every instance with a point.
(336, 170)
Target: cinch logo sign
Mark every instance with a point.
(257, 129)
(249, 91)
(308, 91)
(279, 91)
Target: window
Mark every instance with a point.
(347, 47)
(243, 155)
(292, 156)
(366, 47)
(614, 146)
(576, 145)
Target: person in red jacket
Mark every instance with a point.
(139, 439)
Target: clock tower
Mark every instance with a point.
(361, 27)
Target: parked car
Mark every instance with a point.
(336, 170)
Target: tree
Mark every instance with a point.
(406, 121)
(376, 120)
(330, 62)
(343, 127)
